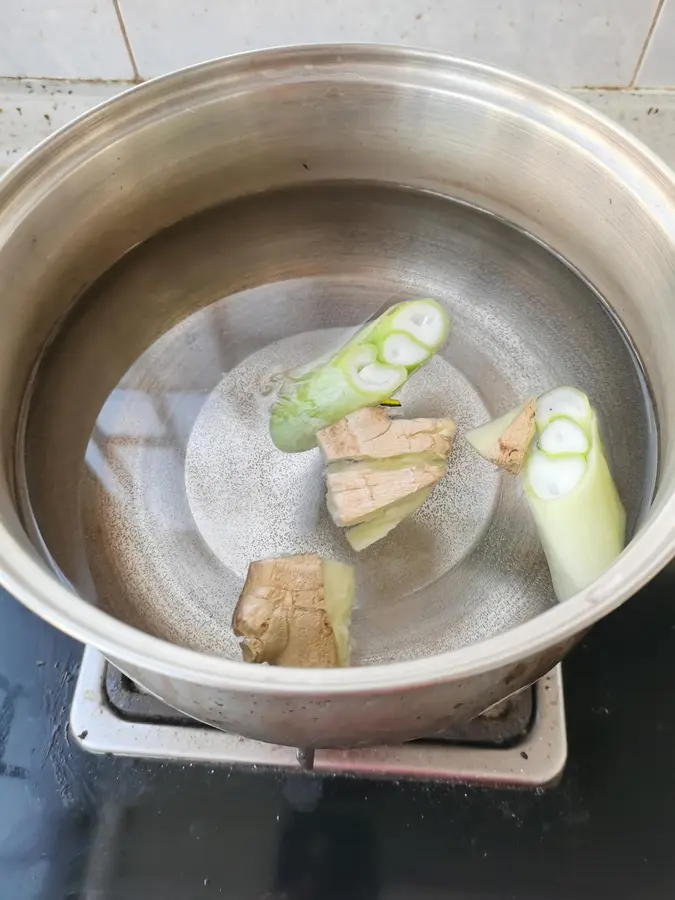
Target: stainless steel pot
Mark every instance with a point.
(238, 127)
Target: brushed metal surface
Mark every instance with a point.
(234, 128)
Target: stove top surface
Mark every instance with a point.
(78, 825)
(520, 742)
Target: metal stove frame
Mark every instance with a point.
(537, 759)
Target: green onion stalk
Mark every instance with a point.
(569, 487)
(554, 442)
(366, 371)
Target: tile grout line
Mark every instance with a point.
(588, 88)
(127, 43)
(59, 79)
(604, 89)
(645, 46)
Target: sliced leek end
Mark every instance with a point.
(568, 402)
(578, 513)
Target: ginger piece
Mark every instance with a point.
(296, 611)
(381, 470)
(506, 440)
(371, 433)
(358, 490)
(385, 520)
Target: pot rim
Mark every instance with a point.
(30, 581)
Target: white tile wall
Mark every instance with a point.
(648, 114)
(62, 39)
(567, 42)
(658, 67)
(31, 110)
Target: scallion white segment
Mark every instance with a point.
(365, 371)
(569, 487)
(552, 477)
(423, 320)
(400, 350)
(567, 402)
(563, 437)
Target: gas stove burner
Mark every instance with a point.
(521, 742)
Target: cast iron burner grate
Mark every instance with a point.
(520, 742)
